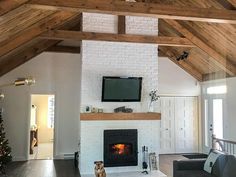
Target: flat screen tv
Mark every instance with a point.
(121, 89)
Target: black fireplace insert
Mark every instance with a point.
(120, 148)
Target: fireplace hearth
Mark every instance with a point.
(120, 148)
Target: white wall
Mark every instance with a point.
(57, 74)
(173, 80)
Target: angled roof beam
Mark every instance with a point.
(9, 5)
(63, 49)
(217, 58)
(140, 9)
(77, 35)
(34, 31)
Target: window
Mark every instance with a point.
(217, 90)
(51, 107)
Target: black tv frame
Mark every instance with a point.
(121, 100)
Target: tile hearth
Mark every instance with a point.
(132, 174)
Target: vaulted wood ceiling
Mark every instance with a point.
(30, 27)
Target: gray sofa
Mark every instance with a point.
(225, 166)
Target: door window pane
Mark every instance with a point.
(206, 123)
(218, 118)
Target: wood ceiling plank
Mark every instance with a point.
(21, 22)
(24, 56)
(183, 64)
(76, 35)
(9, 5)
(33, 48)
(34, 31)
(219, 60)
(141, 9)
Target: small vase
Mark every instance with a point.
(151, 107)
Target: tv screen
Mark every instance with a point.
(121, 89)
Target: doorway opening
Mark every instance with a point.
(42, 127)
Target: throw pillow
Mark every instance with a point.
(210, 161)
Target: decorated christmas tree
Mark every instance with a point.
(5, 150)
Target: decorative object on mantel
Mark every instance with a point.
(153, 163)
(100, 110)
(154, 98)
(88, 109)
(99, 169)
(123, 109)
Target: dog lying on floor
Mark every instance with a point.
(99, 169)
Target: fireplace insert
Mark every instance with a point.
(120, 148)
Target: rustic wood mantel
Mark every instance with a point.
(119, 116)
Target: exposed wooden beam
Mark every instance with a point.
(140, 9)
(33, 48)
(18, 59)
(183, 64)
(121, 24)
(217, 58)
(9, 5)
(77, 35)
(215, 76)
(233, 2)
(63, 49)
(33, 31)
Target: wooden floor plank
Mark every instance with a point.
(43, 168)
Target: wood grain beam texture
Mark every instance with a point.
(140, 9)
(9, 5)
(63, 49)
(29, 51)
(33, 31)
(182, 64)
(77, 35)
(217, 58)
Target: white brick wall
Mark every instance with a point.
(116, 59)
(94, 22)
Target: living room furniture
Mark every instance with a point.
(225, 166)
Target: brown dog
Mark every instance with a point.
(99, 169)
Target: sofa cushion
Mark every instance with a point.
(218, 168)
(193, 173)
(230, 167)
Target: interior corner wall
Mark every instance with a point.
(173, 80)
(55, 73)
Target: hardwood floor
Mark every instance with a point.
(65, 168)
(166, 163)
(43, 168)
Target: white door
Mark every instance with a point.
(186, 125)
(214, 116)
(167, 143)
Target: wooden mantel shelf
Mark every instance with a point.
(119, 116)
